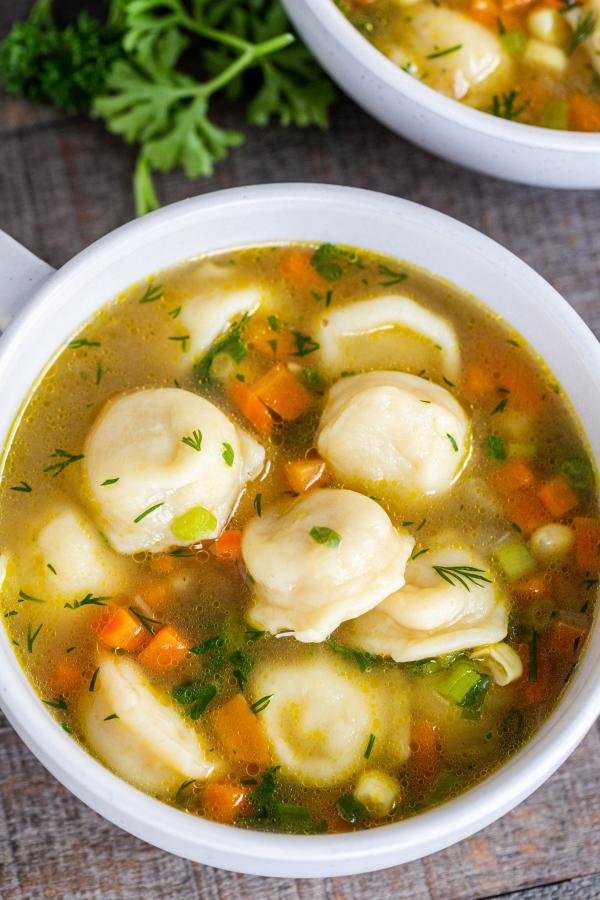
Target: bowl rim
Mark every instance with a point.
(279, 854)
(341, 30)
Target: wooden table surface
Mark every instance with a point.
(63, 183)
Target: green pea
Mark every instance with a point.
(193, 524)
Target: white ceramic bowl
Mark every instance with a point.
(63, 301)
(477, 140)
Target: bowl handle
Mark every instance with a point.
(20, 274)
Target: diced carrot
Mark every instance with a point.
(162, 564)
(531, 693)
(241, 733)
(557, 496)
(225, 801)
(296, 265)
(526, 510)
(166, 649)
(424, 748)
(513, 475)
(584, 111)
(99, 621)
(526, 391)
(533, 587)
(587, 543)
(66, 677)
(486, 12)
(156, 592)
(562, 639)
(251, 407)
(280, 390)
(302, 474)
(275, 343)
(228, 545)
(123, 631)
(479, 379)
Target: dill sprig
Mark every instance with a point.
(194, 441)
(463, 575)
(64, 459)
(504, 105)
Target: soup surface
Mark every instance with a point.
(537, 63)
(298, 538)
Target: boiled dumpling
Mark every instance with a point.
(165, 467)
(399, 330)
(326, 557)
(73, 559)
(429, 617)
(477, 66)
(395, 428)
(149, 744)
(208, 315)
(322, 713)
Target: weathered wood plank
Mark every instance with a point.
(63, 183)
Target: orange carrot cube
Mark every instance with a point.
(166, 650)
(280, 390)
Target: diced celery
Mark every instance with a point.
(514, 558)
(521, 450)
(458, 681)
(514, 42)
(555, 115)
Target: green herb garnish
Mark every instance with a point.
(82, 342)
(438, 53)
(231, 343)
(257, 503)
(88, 600)
(369, 747)
(145, 621)
(109, 481)
(504, 106)
(500, 407)
(183, 339)
(23, 487)
(28, 597)
(152, 293)
(93, 680)
(453, 442)
(582, 30)
(351, 810)
(59, 703)
(261, 704)
(463, 575)
(324, 535)
(64, 459)
(147, 512)
(194, 441)
(304, 344)
(392, 276)
(364, 661)
(111, 717)
(495, 447)
(227, 454)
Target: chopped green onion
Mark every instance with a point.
(350, 809)
(324, 535)
(458, 681)
(495, 447)
(514, 558)
(473, 702)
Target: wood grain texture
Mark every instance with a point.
(63, 183)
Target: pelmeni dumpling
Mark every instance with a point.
(166, 467)
(71, 559)
(398, 328)
(476, 69)
(395, 428)
(322, 712)
(211, 313)
(428, 616)
(326, 557)
(149, 744)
